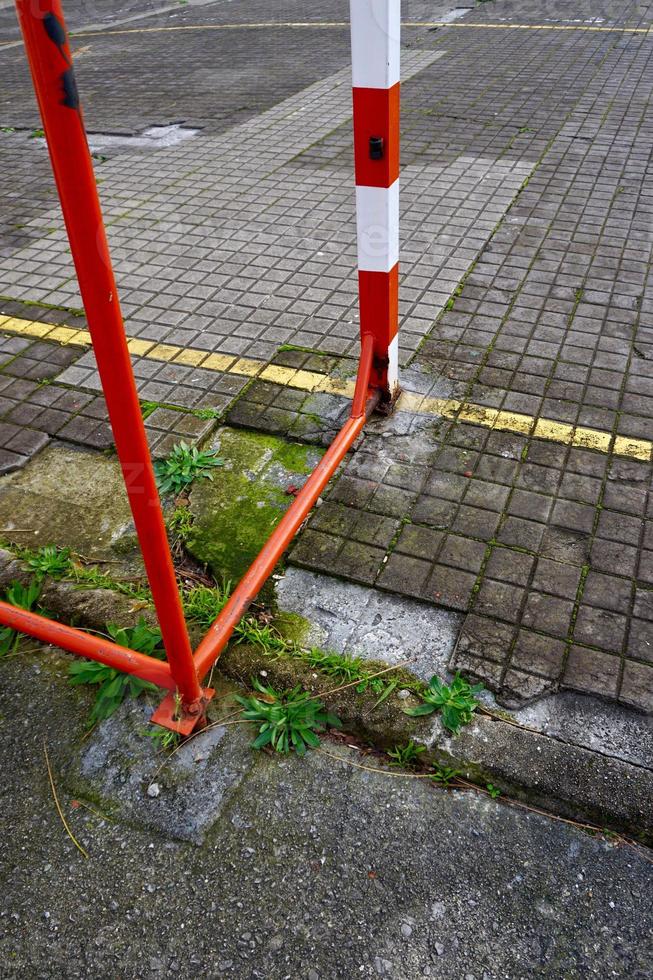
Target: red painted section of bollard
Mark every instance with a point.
(375, 30)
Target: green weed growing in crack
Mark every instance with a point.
(406, 756)
(206, 413)
(287, 721)
(445, 775)
(50, 560)
(493, 791)
(180, 522)
(262, 635)
(147, 408)
(456, 702)
(113, 685)
(183, 465)
(23, 597)
(346, 670)
(93, 578)
(203, 605)
(85, 578)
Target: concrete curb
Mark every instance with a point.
(566, 780)
(576, 783)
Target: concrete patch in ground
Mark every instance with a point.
(363, 622)
(569, 753)
(70, 498)
(153, 138)
(181, 795)
(359, 621)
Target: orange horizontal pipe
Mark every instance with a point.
(249, 586)
(93, 647)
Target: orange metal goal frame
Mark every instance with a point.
(184, 707)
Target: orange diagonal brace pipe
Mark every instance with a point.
(249, 586)
(361, 391)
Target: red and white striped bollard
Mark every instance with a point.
(375, 42)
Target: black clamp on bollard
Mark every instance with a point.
(376, 148)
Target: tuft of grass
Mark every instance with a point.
(456, 702)
(183, 465)
(50, 560)
(346, 670)
(262, 635)
(164, 737)
(181, 522)
(340, 668)
(113, 685)
(24, 597)
(36, 134)
(287, 721)
(93, 578)
(406, 756)
(203, 605)
(88, 578)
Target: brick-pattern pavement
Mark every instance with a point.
(53, 391)
(548, 548)
(130, 82)
(238, 249)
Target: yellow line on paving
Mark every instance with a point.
(450, 408)
(531, 27)
(343, 23)
(308, 24)
(212, 27)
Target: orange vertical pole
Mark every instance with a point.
(50, 62)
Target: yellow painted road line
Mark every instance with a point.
(311, 381)
(309, 24)
(531, 27)
(213, 27)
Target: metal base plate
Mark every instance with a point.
(170, 715)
